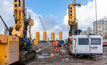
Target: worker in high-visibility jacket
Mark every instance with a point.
(54, 44)
(57, 46)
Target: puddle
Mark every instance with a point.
(43, 57)
(63, 51)
(46, 54)
(62, 60)
(65, 59)
(57, 54)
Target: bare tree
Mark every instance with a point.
(105, 36)
(89, 30)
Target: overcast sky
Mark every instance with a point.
(54, 14)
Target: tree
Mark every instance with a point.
(89, 30)
(105, 37)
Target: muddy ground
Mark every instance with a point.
(47, 56)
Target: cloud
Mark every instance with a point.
(7, 14)
(86, 13)
(50, 24)
(49, 21)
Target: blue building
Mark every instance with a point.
(100, 26)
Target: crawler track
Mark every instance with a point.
(27, 55)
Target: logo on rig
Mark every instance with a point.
(94, 48)
(13, 38)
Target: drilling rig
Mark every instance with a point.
(81, 44)
(72, 19)
(17, 46)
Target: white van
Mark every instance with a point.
(85, 45)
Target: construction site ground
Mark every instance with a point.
(46, 55)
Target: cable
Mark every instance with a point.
(4, 23)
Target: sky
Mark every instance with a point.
(55, 7)
(54, 14)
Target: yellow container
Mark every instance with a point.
(36, 42)
(48, 41)
(60, 35)
(52, 36)
(44, 36)
(37, 36)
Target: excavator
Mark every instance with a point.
(17, 46)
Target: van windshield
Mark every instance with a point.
(95, 41)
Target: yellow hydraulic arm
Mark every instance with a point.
(21, 22)
(72, 19)
(18, 29)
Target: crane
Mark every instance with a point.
(17, 43)
(44, 30)
(42, 23)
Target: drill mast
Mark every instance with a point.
(72, 19)
(21, 22)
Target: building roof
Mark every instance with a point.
(104, 18)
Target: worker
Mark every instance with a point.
(57, 46)
(54, 44)
(66, 44)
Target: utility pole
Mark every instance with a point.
(96, 15)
